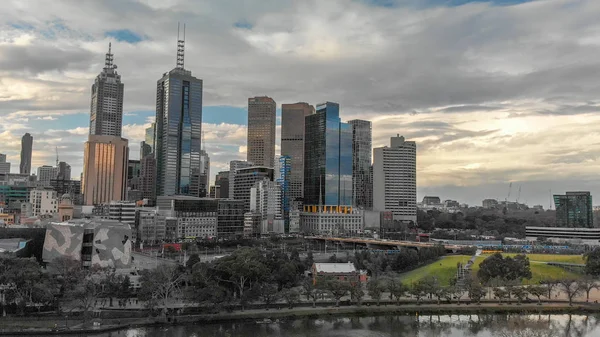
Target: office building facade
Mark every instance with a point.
(106, 115)
(178, 131)
(148, 178)
(261, 131)
(292, 144)
(362, 186)
(395, 179)
(4, 166)
(63, 171)
(26, 151)
(245, 179)
(46, 173)
(234, 166)
(327, 159)
(105, 162)
(574, 209)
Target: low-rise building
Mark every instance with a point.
(7, 219)
(332, 221)
(44, 202)
(341, 271)
(572, 235)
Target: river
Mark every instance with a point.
(383, 326)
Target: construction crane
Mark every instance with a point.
(509, 190)
(518, 194)
(56, 156)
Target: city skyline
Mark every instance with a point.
(475, 132)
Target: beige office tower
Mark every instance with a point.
(292, 145)
(104, 177)
(261, 131)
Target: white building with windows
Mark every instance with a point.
(197, 227)
(46, 173)
(265, 199)
(122, 211)
(332, 223)
(395, 179)
(44, 202)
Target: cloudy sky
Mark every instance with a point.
(493, 91)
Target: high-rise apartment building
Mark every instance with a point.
(4, 166)
(106, 115)
(26, 151)
(395, 179)
(292, 144)
(235, 165)
(245, 179)
(178, 130)
(261, 131)
(104, 177)
(63, 171)
(44, 202)
(362, 187)
(46, 173)
(265, 199)
(574, 209)
(327, 159)
(283, 179)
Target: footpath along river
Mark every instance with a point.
(513, 325)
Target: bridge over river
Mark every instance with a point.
(378, 244)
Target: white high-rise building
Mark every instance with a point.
(46, 173)
(395, 179)
(43, 202)
(235, 165)
(265, 199)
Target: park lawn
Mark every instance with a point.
(444, 269)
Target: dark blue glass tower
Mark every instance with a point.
(327, 158)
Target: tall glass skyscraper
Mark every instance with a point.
(178, 131)
(106, 115)
(26, 150)
(362, 186)
(327, 158)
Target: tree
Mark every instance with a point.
(549, 285)
(476, 292)
(309, 260)
(267, 292)
(291, 296)
(396, 288)
(520, 293)
(442, 292)
(87, 291)
(286, 275)
(570, 287)
(456, 292)
(160, 285)
(592, 262)
(241, 269)
(430, 285)
(417, 290)
(311, 291)
(510, 269)
(537, 291)
(337, 289)
(499, 293)
(586, 284)
(375, 288)
(192, 260)
(333, 259)
(356, 292)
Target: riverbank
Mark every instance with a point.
(414, 309)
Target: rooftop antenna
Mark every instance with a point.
(108, 61)
(180, 47)
(57, 156)
(203, 147)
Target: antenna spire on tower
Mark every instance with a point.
(108, 61)
(180, 48)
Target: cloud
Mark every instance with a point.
(492, 91)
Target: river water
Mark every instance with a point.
(383, 326)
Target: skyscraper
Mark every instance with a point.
(26, 150)
(327, 159)
(235, 165)
(178, 130)
(395, 179)
(106, 115)
(63, 171)
(222, 185)
(4, 166)
(362, 187)
(149, 137)
(204, 173)
(245, 179)
(574, 209)
(46, 173)
(292, 144)
(261, 131)
(104, 176)
(148, 178)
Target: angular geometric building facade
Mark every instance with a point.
(26, 151)
(105, 162)
(327, 159)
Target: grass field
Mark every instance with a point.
(445, 268)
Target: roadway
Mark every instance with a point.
(378, 243)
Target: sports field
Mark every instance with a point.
(445, 268)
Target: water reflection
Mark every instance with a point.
(393, 326)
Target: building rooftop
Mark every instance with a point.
(335, 268)
(11, 245)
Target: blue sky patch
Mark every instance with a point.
(436, 3)
(125, 35)
(243, 24)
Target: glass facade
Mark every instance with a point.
(328, 158)
(178, 133)
(574, 210)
